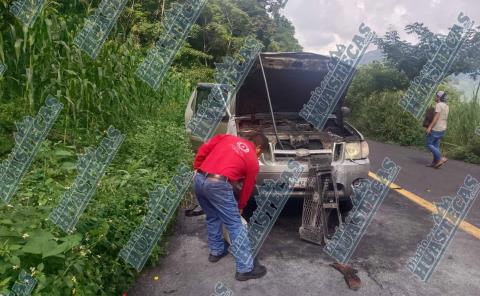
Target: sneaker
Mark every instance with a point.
(213, 258)
(430, 165)
(440, 162)
(257, 272)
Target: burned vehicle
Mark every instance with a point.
(290, 78)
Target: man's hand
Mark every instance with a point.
(429, 130)
(241, 211)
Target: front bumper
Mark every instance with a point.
(345, 172)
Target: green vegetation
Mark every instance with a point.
(377, 89)
(43, 60)
(97, 93)
(409, 58)
(374, 95)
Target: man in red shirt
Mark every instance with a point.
(225, 159)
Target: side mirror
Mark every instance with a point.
(346, 111)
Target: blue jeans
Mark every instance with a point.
(433, 144)
(218, 202)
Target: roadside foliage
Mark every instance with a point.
(374, 96)
(43, 59)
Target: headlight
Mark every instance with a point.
(353, 150)
(356, 150)
(365, 149)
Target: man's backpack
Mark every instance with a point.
(429, 114)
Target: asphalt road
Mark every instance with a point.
(299, 268)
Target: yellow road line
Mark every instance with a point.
(465, 226)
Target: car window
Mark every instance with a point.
(202, 95)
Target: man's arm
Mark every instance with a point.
(249, 183)
(205, 149)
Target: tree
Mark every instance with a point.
(410, 58)
(219, 31)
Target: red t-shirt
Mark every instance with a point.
(232, 157)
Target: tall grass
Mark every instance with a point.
(462, 121)
(464, 117)
(96, 93)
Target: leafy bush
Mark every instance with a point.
(375, 77)
(379, 116)
(86, 262)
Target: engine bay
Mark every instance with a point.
(294, 133)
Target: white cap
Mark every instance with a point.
(441, 94)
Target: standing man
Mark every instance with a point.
(436, 129)
(225, 159)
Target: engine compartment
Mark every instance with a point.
(294, 133)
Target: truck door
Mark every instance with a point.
(199, 95)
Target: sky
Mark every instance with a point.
(321, 24)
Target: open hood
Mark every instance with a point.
(291, 78)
